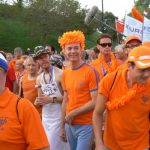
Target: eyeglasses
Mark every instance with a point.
(132, 45)
(105, 44)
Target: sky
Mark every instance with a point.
(118, 7)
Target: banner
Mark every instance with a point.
(132, 27)
(146, 30)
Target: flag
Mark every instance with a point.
(136, 14)
(146, 30)
(132, 27)
(119, 26)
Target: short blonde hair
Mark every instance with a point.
(72, 37)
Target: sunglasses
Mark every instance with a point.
(105, 44)
(132, 45)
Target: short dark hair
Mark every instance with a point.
(96, 50)
(52, 47)
(104, 35)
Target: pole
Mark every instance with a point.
(102, 16)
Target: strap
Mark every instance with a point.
(114, 80)
(19, 98)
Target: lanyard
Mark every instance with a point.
(50, 76)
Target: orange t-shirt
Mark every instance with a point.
(126, 128)
(23, 131)
(29, 90)
(78, 83)
(12, 64)
(100, 69)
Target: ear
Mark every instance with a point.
(98, 47)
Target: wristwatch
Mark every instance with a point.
(54, 99)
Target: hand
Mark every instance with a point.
(69, 118)
(63, 135)
(43, 99)
(100, 147)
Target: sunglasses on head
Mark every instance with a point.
(105, 44)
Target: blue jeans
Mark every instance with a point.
(79, 136)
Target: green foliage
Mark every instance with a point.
(40, 22)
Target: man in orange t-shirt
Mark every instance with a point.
(125, 94)
(80, 91)
(17, 55)
(106, 61)
(20, 124)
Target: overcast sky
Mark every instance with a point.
(118, 7)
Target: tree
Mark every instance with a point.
(143, 6)
(57, 16)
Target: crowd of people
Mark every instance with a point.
(95, 99)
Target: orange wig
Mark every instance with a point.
(72, 37)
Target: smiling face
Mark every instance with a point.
(73, 52)
(44, 61)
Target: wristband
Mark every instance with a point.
(54, 99)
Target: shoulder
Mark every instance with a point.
(39, 78)
(24, 105)
(94, 62)
(122, 66)
(66, 71)
(90, 68)
(58, 71)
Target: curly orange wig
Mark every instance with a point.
(72, 37)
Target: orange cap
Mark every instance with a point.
(140, 56)
(132, 37)
(146, 43)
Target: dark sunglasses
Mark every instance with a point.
(105, 44)
(132, 45)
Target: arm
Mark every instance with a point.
(64, 105)
(97, 121)
(20, 88)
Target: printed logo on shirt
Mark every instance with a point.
(145, 98)
(3, 121)
(50, 89)
(80, 84)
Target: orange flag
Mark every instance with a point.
(136, 14)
